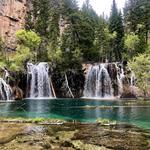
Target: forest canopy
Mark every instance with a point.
(60, 32)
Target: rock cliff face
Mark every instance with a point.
(12, 18)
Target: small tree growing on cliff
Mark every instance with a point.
(2, 54)
(141, 66)
(28, 42)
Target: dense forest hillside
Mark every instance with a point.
(59, 32)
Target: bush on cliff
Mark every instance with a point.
(141, 66)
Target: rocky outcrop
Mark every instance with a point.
(17, 93)
(69, 84)
(12, 18)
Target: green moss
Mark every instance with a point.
(82, 146)
(65, 135)
(31, 120)
(105, 121)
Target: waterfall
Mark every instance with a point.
(5, 90)
(98, 82)
(122, 74)
(39, 81)
(120, 77)
(133, 78)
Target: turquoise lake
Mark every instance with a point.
(80, 110)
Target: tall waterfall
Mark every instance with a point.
(39, 81)
(5, 90)
(102, 81)
(98, 82)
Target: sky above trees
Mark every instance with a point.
(101, 6)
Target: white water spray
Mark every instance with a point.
(39, 81)
(98, 83)
(5, 90)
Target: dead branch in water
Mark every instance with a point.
(52, 88)
(68, 86)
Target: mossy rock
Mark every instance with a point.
(105, 121)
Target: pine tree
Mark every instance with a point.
(116, 25)
(70, 37)
(88, 29)
(136, 14)
(103, 40)
(43, 18)
(79, 35)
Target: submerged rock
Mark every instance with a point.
(17, 92)
(72, 137)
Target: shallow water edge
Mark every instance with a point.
(72, 136)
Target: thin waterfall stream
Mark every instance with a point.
(5, 90)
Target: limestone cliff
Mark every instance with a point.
(12, 18)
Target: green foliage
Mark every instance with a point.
(84, 35)
(38, 17)
(78, 38)
(1, 46)
(132, 42)
(141, 66)
(43, 18)
(72, 39)
(3, 60)
(28, 42)
(103, 40)
(116, 25)
(89, 24)
(23, 54)
(28, 38)
(136, 14)
(54, 55)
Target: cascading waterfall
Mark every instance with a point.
(5, 90)
(133, 78)
(39, 81)
(104, 80)
(98, 82)
(120, 77)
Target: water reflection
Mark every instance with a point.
(80, 110)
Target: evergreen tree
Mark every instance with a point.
(78, 38)
(38, 17)
(38, 21)
(116, 25)
(43, 18)
(70, 37)
(136, 14)
(88, 30)
(103, 40)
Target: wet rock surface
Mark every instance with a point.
(69, 136)
(75, 79)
